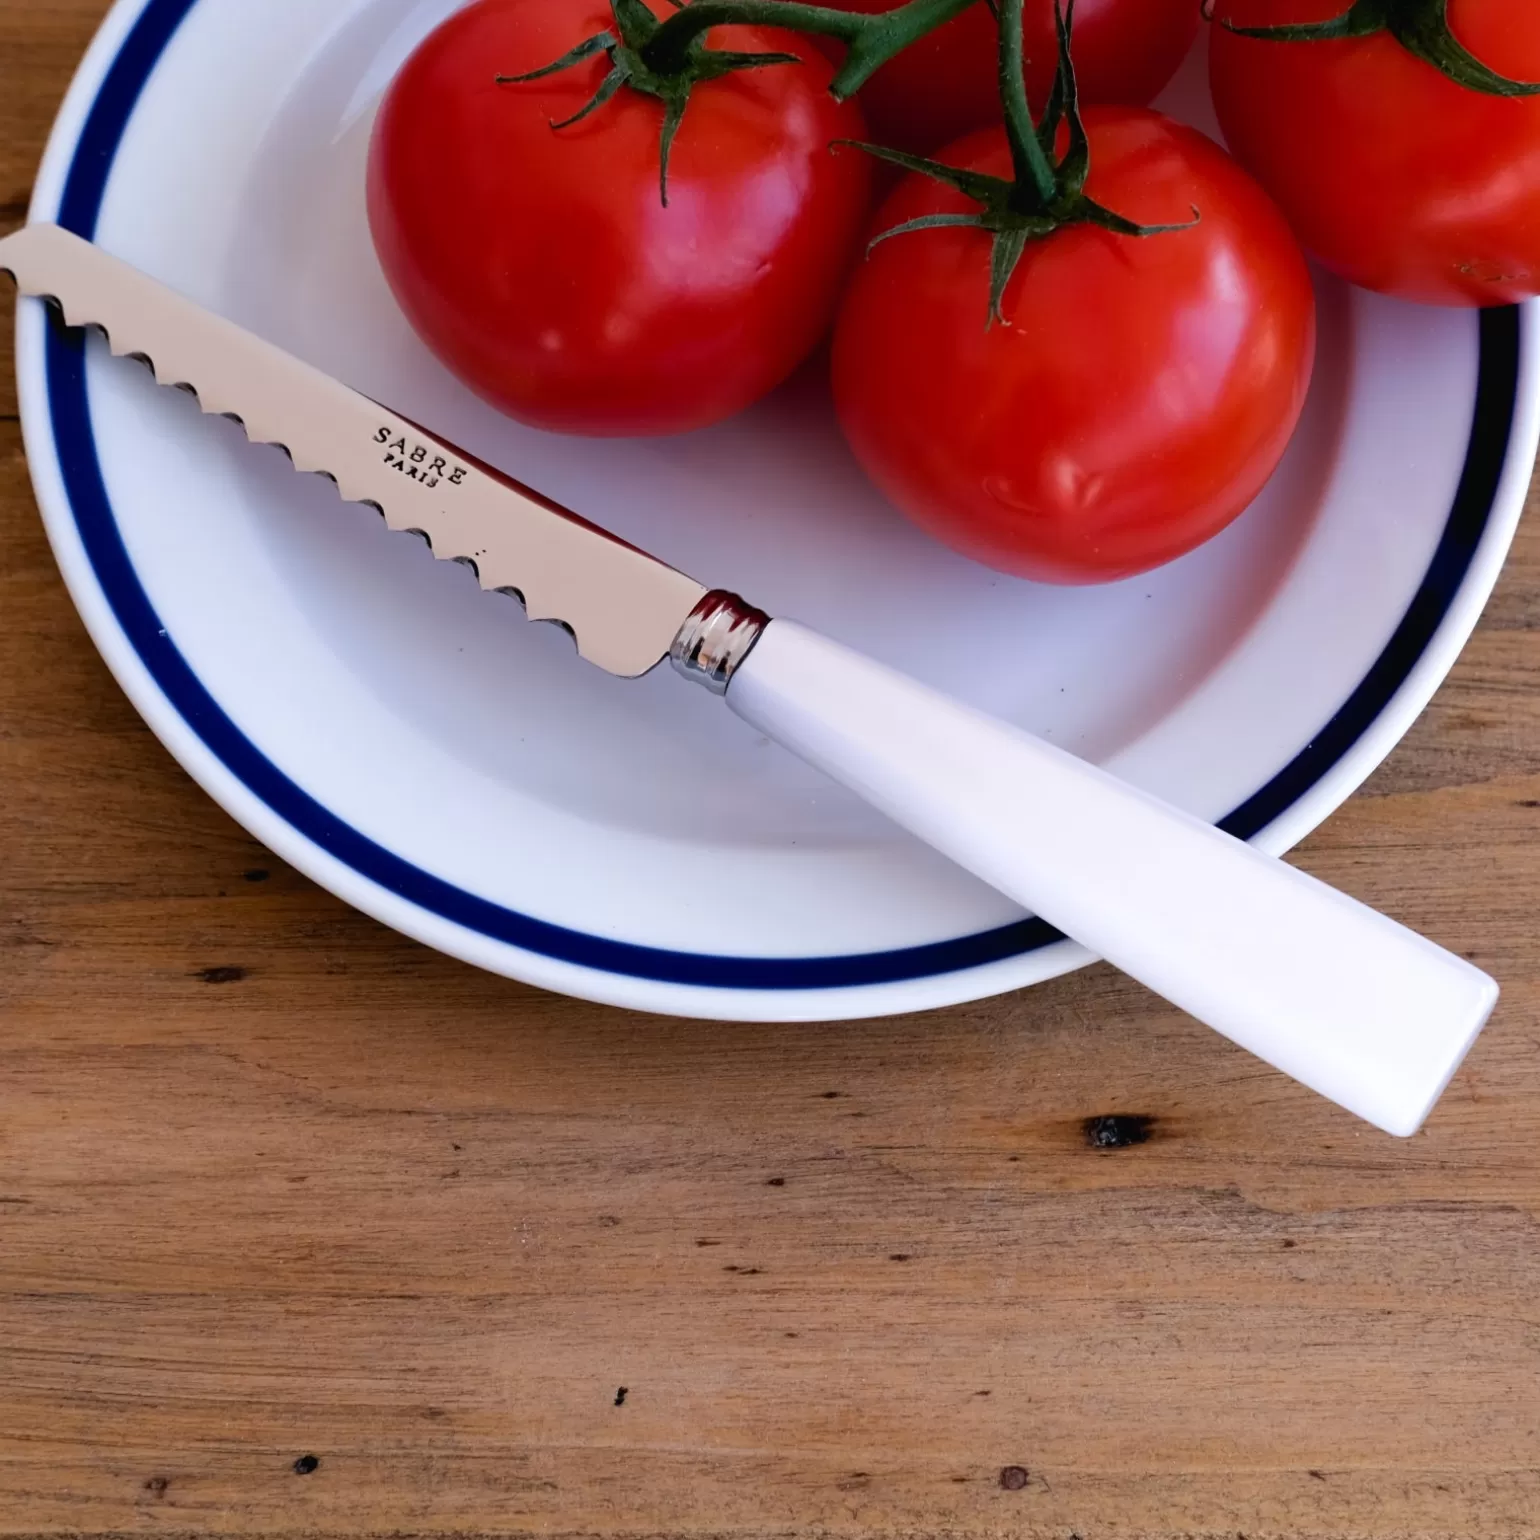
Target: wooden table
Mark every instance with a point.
(308, 1231)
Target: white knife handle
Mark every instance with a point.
(1344, 999)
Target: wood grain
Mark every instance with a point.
(278, 1186)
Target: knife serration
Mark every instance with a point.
(624, 607)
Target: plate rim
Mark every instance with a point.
(77, 510)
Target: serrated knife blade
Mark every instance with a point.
(1344, 999)
(624, 607)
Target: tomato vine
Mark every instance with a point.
(668, 59)
(1420, 26)
(1046, 191)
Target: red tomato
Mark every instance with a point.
(946, 85)
(1136, 396)
(542, 267)
(1392, 174)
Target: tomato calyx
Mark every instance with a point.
(626, 46)
(1419, 26)
(668, 59)
(1047, 191)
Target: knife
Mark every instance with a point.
(1342, 998)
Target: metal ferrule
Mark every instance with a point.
(714, 642)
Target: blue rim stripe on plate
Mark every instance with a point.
(80, 206)
(1497, 394)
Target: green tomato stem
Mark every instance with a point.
(873, 39)
(1032, 165)
(1419, 26)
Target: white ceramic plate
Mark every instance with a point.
(416, 747)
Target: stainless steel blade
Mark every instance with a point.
(624, 607)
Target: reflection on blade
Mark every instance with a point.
(623, 607)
